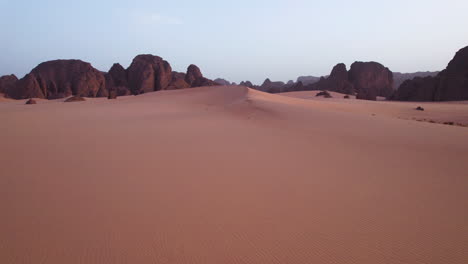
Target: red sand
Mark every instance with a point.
(231, 175)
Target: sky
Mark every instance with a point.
(236, 40)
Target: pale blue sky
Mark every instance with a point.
(237, 40)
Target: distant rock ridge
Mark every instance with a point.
(271, 87)
(64, 78)
(247, 84)
(450, 84)
(399, 78)
(222, 81)
(365, 79)
(306, 80)
(149, 73)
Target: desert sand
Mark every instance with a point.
(232, 175)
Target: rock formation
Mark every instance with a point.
(399, 78)
(117, 81)
(7, 83)
(418, 89)
(271, 87)
(63, 78)
(112, 95)
(450, 84)
(299, 86)
(221, 81)
(453, 81)
(306, 80)
(178, 81)
(371, 79)
(365, 79)
(60, 78)
(325, 94)
(148, 73)
(246, 84)
(337, 81)
(195, 78)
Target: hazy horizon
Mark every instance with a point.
(246, 40)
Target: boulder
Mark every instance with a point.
(31, 101)
(325, 94)
(112, 95)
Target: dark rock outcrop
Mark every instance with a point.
(325, 94)
(246, 84)
(371, 79)
(399, 78)
(221, 81)
(27, 87)
(194, 77)
(60, 78)
(306, 80)
(366, 79)
(117, 81)
(299, 86)
(418, 89)
(453, 81)
(7, 83)
(193, 74)
(337, 81)
(63, 78)
(450, 84)
(112, 95)
(148, 73)
(271, 87)
(178, 81)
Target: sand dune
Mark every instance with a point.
(439, 112)
(232, 175)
